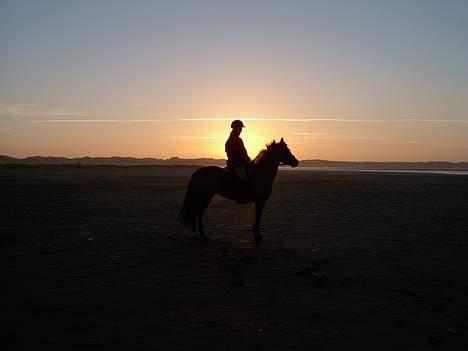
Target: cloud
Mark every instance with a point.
(180, 120)
(421, 142)
(32, 110)
(61, 113)
(98, 120)
(336, 120)
(29, 110)
(307, 136)
(316, 134)
(196, 137)
(304, 136)
(216, 136)
(16, 109)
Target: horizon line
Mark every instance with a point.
(220, 159)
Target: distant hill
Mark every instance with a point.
(114, 160)
(176, 161)
(432, 165)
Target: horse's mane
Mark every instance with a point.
(261, 155)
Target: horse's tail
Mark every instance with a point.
(187, 213)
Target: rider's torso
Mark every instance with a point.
(236, 152)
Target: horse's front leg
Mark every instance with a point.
(259, 205)
(200, 225)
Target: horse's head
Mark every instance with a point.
(282, 153)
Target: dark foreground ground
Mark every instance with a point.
(94, 258)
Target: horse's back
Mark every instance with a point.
(215, 180)
(212, 170)
(212, 174)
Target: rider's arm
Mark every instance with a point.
(243, 151)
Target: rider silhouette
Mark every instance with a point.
(238, 159)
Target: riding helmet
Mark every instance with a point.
(237, 123)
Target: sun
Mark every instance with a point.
(254, 135)
(253, 143)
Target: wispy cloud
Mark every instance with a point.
(315, 134)
(338, 136)
(422, 142)
(98, 120)
(16, 109)
(180, 120)
(29, 110)
(195, 137)
(337, 120)
(37, 110)
(61, 113)
(216, 136)
(302, 136)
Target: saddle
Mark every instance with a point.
(248, 171)
(243, 188)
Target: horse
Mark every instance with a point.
(208, 181)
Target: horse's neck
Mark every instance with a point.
(268, 168)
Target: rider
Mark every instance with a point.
(238, 159)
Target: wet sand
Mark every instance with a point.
(94, 258)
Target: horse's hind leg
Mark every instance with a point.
(200, 213)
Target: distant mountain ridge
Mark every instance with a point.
(429, 165)
(176, 161)
(113, 160)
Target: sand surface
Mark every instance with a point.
(94, 258)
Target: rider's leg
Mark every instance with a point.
(241, 173)
(242, 185)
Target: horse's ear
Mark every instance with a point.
(282, 140)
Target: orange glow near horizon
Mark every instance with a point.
(136, 132)
(314, 128)
(197, 139)
(211, 143)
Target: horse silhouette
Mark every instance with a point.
(208, 181)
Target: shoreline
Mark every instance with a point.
(442, 171)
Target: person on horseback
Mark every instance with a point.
(238, 158)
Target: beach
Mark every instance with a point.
(95, 257)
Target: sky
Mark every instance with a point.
(339, 80)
